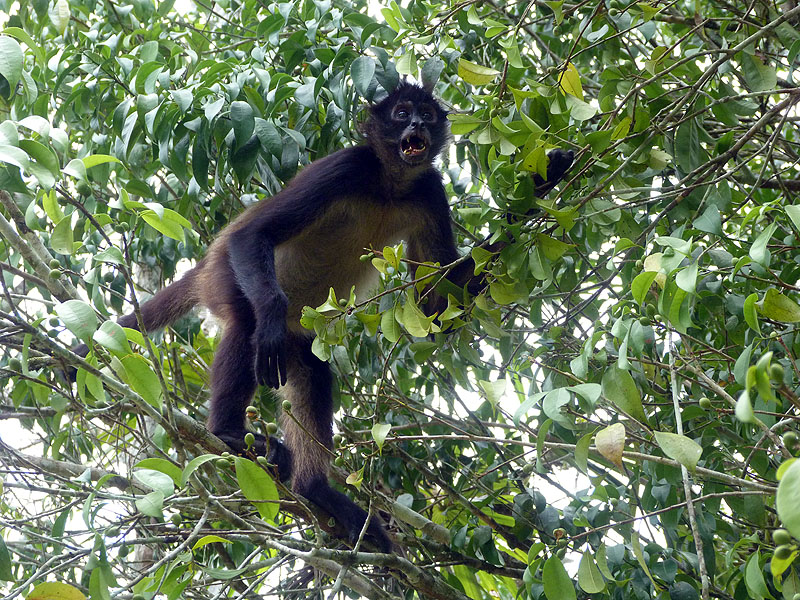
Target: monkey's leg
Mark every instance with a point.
(309, 435)
(233, 383)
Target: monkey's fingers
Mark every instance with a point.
(282, 366)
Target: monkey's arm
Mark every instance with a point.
(251, 247)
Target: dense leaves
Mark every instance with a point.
(613, 416)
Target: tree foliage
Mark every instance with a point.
(614, 416)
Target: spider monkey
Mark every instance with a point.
(287, 252)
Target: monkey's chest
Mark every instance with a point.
(327, 254)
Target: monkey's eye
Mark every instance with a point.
(401, 114)
(428, 116)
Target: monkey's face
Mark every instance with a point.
(408, 125)
(414, 124)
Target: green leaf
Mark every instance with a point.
(243, 122)
(23, 36)
(619, 388)
(94, 160)
(6, 572)
(750, 314)
(10, 61)
(183, 98)
(210, 539)
(589, 577)
(557, 582)
(475, 74)
(582, 452)
(61, 238)
(79, 318)
(112, 336)
(744, 409)
(641, 285)
(639, 554)
(778, 307)
(167, 225)
(44, 164)
(493, 390)
(193, 465)
(379, 433)
(59, 15)
(688, 153)
(151, 504)
(710, 221)
(155, 480)
(758, 251)
(552, 248)
(754, 578)
(164, 466)
(362, 71)
(686, 279)
(258, 487)
(610, 442)
(758, 76)
(53, 590)
(786, 499)
(570, 81)
(141, 377)
(389, 325)
(680, 448)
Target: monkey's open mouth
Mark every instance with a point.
(413, 146)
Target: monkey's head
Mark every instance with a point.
(409, 126)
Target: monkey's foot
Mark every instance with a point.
(348, 514)
(277, 452)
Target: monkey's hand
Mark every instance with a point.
(559, 163)
(269, 341)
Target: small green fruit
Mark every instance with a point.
(55, 274)
(251, 412)
(776, 373)
(783, 552)
(613, 12)
(262, 460)
(339, 461)
(796, 597)
(705, 403)
(337, 439)
(287, 405)
(176, 519)
(364, 258)
(789, 439)
(54, 264)
(651, 310)
(781, 537)
(272, 428)
(15, 364)
(222, 463)
(644, 320)
(84, 189)
(342, 302)
(226, 455)
(249, 439)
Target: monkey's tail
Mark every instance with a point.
(167, 306)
